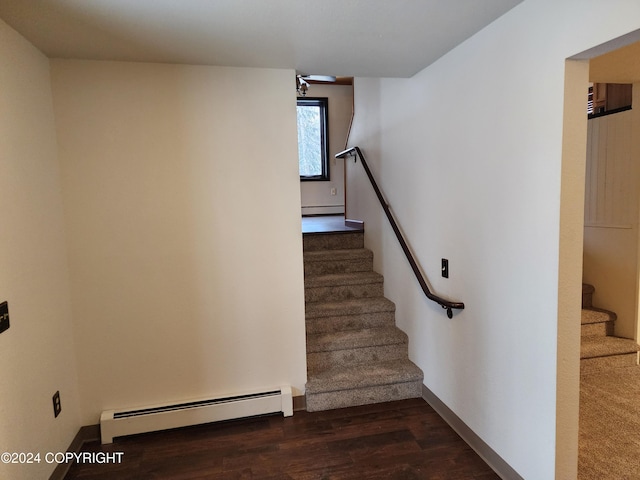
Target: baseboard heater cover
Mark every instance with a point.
(151, 418)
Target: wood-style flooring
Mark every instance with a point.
(396, 440)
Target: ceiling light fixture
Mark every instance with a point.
(301, 85)
(302, 82)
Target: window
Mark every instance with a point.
(313, 139)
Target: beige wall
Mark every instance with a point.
(36, 353)
(611, 217)
(316, 196)
(635, 154)
(619, 66)
(611, 207)
(480, 171)
(185, 259)
(572, 186)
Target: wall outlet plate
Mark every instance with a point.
(4, 316)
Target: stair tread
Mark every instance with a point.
(351, 306)
(596, 315)
(598, 346)
(348, 339)
(339, 279)
(338, 254)
(363, 376)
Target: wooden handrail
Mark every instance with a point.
(446, 304)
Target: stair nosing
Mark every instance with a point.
(350, 306)
(340, 279)
(360, 338)
(338, 254)
(318, 383)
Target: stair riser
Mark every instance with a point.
(587, 300)
(363, 396)
(602, 364)
(313, 243)
(596, 329)
(338, 266)
(350, 322)
(587, 295)
(321, 361)
(343, 292)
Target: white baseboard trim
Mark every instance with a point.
(502, 468)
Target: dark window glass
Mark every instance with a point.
(313, 139)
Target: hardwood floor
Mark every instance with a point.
(402, 440)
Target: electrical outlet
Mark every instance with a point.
(57, 406)
(4, 316)
(445, 268)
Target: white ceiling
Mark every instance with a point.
(377, 38)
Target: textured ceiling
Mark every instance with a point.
(379, 38)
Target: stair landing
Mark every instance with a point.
(326, 224)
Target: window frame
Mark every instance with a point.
(323, 103)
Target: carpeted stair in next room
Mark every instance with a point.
(355, 353)
(600, 350)
(609, 398)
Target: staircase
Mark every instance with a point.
(600, 350)
(355, 353)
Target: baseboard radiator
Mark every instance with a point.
(118, 423)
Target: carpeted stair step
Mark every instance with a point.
(355, 347)
(363, 384)
(338, 261)
(606, 346)
(332, 241)
(601, 353)
(342, 286)
(325, 342)
(350, 314)
(597, 322)
(355, 353)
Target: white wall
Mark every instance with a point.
(36, 353)
(186, 264)
(470, 155)
(316, 196)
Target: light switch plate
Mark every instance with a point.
(4, 316)
(445, 268)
